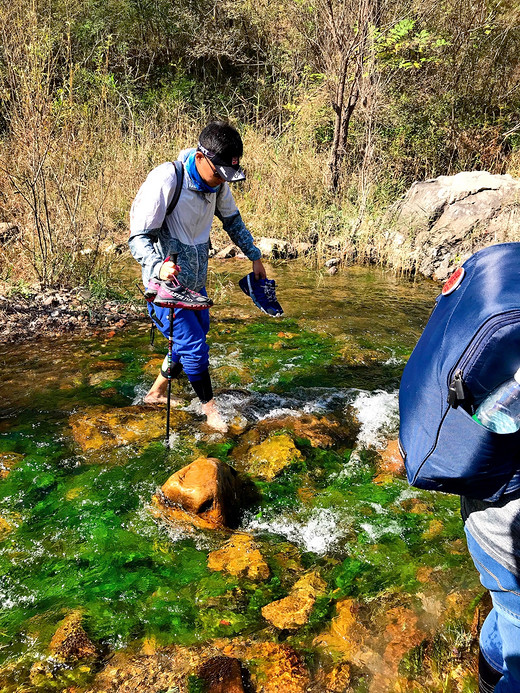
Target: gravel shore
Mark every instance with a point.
(55, 312)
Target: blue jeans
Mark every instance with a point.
(500, 635)
(190, 328)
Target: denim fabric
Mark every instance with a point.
(500, 635)
(190, 328)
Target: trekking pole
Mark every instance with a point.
(170, 354)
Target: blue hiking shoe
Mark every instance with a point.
(263, 294)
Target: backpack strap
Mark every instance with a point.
(179, 170)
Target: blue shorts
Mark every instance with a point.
(500, 635)
(190, 328)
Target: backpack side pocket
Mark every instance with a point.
(468, 459)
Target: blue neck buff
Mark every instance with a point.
(195, 176)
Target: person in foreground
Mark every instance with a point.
(155, 235)
(493, 535)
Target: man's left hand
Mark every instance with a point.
(259, 269)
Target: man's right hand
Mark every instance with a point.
(168, 270)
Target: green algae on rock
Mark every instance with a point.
(70, 642)
(269, 458)
(240, 557)
(321, 432)
(293, 611)
(103, 427)
(83, 538)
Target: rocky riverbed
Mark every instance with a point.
(54, 312)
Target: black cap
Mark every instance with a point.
(227, 166)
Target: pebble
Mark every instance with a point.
(54, 312)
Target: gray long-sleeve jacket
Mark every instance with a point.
(153, 237)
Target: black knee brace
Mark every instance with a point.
(176, 369)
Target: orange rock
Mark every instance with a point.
(104, 427)
(222, 675)
(402, 633)
(5, 528)
(269, 458)
(337, 680)
(207, 490)
(274, 668)
(149, 646)
(321, 432)
(434, 529)
(240, 557)
(293, 611)
(346, 634)
(391, 460)
(70, 642)
(383, 479)
(7, 461)
(424, 574)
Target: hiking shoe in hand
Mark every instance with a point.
(171, 294)
(263, 294)
(151, 290)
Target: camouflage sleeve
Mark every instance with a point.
(237, 231)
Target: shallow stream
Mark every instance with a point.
(76, 531)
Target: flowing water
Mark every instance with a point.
(76, 531)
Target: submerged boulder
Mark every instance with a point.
(103, 427)
(274, 668)
(207, 493)
(293, 611)
(70, 641)
(337, 680)
(269, 458)
(222, 675)
(390, 463)
(346, 635)
(8, 460)
(240, 557)
(5, 528)
(321, 432)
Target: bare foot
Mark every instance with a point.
(156, 398)
(213, 418)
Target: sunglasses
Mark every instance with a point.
(213, 168)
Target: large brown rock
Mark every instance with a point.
(222, 675)
(104, 427)
(240, 557)
(293, 611)
(70, 641)
(442, 221)
(206, 493)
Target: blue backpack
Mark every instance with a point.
(470, 345)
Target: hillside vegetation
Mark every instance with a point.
(342, 104)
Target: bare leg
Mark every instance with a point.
(213, 417)
(157, 393)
